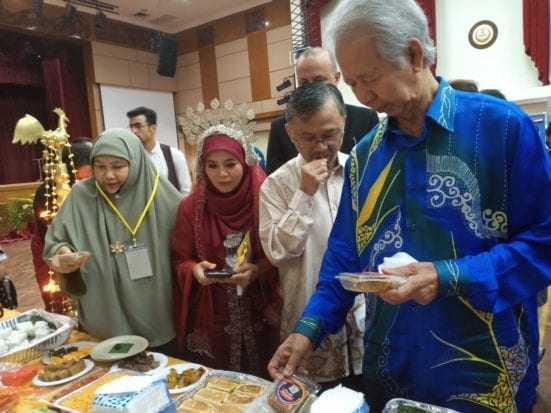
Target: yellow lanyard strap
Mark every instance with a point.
(142, 215)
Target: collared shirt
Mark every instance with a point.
(180, 165)
(466, 195)
(294, 228)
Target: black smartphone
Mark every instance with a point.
(218, 273)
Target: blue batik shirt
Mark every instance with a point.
(472, 195)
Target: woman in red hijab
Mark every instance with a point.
(232, 322)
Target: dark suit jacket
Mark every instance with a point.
(280, 148)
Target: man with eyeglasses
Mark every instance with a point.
(298, 203)
(170, 161)
(316, 64)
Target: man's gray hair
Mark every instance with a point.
(390, 23)
(316, 51)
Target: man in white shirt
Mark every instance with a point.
(298, 204)
(170, 161)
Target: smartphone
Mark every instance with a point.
(218, 273)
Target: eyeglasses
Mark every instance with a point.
(328, 139)
(133, 126)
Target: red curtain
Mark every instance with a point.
(429, 8)
(311, 10)
(17, 162)
(36, 86)
(430, 11)
(535, 18)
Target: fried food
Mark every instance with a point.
(69, 353)
(187, 377)
(222, 384)
(60, 371)
(141, 362)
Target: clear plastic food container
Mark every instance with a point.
(411, 406)
(370, 282)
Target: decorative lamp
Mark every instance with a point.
(29, 130)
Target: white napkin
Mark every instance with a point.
(126, 384)
(397, 260)
(340, 399)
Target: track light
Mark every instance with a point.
(101, 18)
(70, 11)
(37, 7)
(284, 85)
(284, 99)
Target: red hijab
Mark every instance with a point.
(220, 214)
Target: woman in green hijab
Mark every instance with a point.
(123, 215)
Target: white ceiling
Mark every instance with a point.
(169, 16)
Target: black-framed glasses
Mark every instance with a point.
(327, 139)
(133, 126)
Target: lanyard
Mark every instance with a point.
(134, 230)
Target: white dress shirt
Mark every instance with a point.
(294, 228)
(180, 165)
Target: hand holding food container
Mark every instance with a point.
(66, 261)
(400, 278)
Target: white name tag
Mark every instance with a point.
(139, 264)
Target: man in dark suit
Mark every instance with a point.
(317, 65)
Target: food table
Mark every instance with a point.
(167, 384)
(76, 394)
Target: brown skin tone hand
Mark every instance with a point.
(290, 357)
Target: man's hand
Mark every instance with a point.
(312, 174)
(290, 357)
(421, 285)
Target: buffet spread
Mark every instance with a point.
(48, 366)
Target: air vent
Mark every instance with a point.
(164, 19)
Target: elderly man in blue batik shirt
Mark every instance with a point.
(459, 181)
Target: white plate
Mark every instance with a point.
(106, 351)
(88, 365)
(159, 357)
(78, 344)
(180, 368)
(75, 258)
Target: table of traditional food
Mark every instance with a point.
(47, 365)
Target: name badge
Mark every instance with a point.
(137, 259)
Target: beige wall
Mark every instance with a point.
(128, 67)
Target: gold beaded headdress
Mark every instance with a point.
(233, 121)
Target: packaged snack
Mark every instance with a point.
(289, 395)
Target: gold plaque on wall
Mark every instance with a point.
(483, 34)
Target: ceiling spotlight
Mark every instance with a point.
(284, 85)
(37, 7)
(101, 18)
(70, 11)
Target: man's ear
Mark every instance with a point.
(288, 130)
(337, 77)
(414, 54)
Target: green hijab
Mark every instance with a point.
(110, 302)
